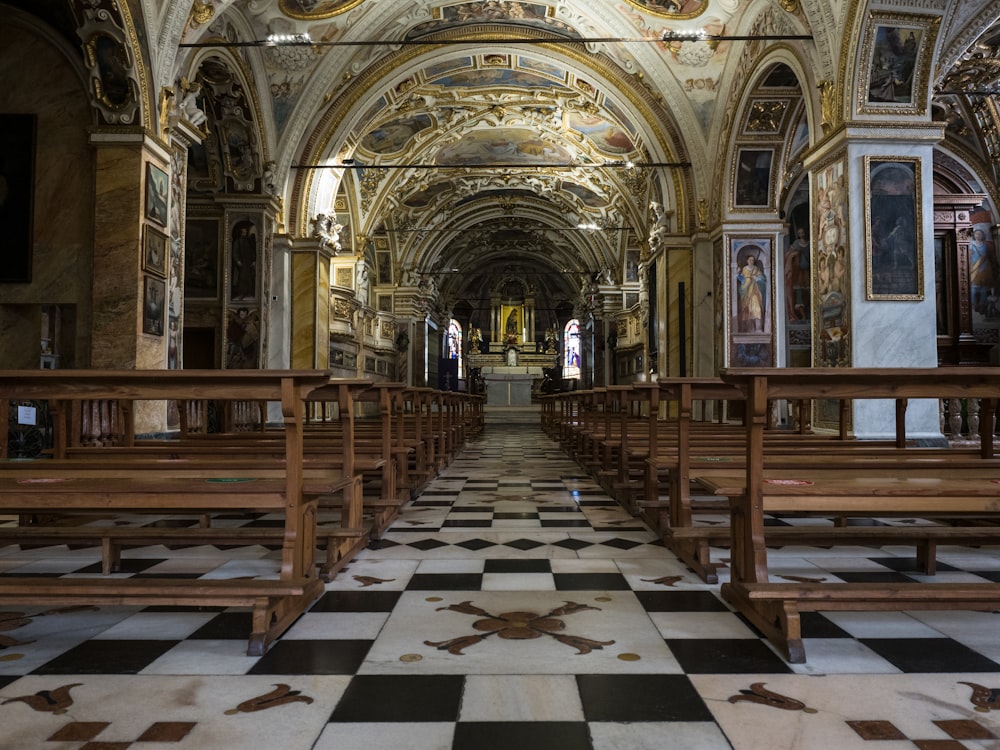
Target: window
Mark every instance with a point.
(571, 350)
(453, 343)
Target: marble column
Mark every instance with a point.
(120, 216)
(279, 354)
(704, 322)
(886, 327)
(310, 318)
(129, 298)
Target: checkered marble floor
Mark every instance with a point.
(512, 605)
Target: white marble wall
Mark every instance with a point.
(890, 333)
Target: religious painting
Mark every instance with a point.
(942, 284)
(498, 146)
(983, 269)
(157, 194)
(632, 265)
(242, 338)
(243, 266)
(384, 265)
(512, 322)
(154, 292)
(110, 66)
(154, 251)
(751, 294)
(393, 136)
(423, 198)
(17, 195)
(384, 303)
(671, 8)
(896, 61)
(605, 135)
(831, 277)
(201, 258)
(588, 197)
(312, 10)
(893, 224)
(752, 180)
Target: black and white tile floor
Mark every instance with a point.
(512, 605)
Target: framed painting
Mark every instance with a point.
(752, 180)
(751, 313)
(201, 259)
(632, 265)
(750, 271)
(893, 223)
(943, 252)
(896, 63)
(384, 264)
(17, 186)
(154, 251)
(157, 194)
(153, 295)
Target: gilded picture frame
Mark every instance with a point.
(896, 63)
(894, 268)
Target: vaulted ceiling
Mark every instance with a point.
(473, 139)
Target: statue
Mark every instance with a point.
(327, 231)
(475, 338)
(550, 341)
(267, 181)
(362, 282)
(660, 227)
(189, 108)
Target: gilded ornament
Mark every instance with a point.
(201, 13)
(828, 105)
(765, 117)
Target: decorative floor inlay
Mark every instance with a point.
(519, 626)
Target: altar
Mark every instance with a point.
(508, 388)
(510, 375)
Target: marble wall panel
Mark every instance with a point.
(64, 178)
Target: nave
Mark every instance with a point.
(512, 604)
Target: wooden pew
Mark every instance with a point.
(274, 602)
(775, 607)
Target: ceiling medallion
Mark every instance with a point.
(674, 9)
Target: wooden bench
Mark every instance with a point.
(774, 607)
(287, 492)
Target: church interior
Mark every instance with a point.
(506, 201)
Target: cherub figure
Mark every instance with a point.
(189, 108)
